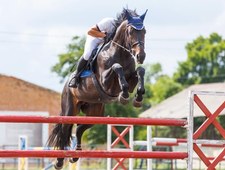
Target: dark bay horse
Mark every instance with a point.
(114, 77)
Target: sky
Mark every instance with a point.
(34, 32)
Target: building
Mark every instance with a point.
(177, 106)
(18, 97)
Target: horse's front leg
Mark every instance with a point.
(137, 102)
(79, 132)
(124, 95)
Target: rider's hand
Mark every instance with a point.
(108, 37)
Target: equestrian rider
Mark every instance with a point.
(95, 36)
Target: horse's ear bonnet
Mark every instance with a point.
(136, 21)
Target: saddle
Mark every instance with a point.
(89, 68)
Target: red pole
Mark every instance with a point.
(93, 120)
(91, 154)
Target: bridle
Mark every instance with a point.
(121, 46)
(138, 42)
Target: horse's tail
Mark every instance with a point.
(54, 139)
(60, 136)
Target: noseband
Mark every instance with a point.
(139, 43)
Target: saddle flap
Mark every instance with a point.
(86, 73)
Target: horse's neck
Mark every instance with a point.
(121, 53)
(118, 43)
(119, 38)
(118, 49)
(120, 34)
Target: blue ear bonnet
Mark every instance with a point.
(136, 23)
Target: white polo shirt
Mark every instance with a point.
(107, 25)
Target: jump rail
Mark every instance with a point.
(93, 120)
(92, 154)
(192, 136)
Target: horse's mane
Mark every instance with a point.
(122, 16)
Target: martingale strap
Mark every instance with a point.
(103, 97)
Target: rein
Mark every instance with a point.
(126, 49)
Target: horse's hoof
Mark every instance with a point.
(58, 165)
(137, 103)
(123, 100)
(73, 160)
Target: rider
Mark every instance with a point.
(95, 36)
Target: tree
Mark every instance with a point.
(205, 62)
(67, 60)
(163, 88)
(153, 71)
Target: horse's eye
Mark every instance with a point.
(131, 31)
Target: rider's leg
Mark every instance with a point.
(81, 64)
(90, 44)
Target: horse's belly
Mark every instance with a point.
(88, 92)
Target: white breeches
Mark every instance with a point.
(90, 44)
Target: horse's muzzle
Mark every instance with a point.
(139, 53)
(140, 58)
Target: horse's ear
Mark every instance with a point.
(143, 15)
(127, 15)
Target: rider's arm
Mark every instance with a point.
(106, 25)
(95, 32)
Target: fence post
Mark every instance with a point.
(22, 162)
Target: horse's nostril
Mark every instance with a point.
(140, 58)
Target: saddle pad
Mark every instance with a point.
(86, 73)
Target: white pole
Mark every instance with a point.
(78, 164)
(22, 162)
(149, 146)
(190, 131)
(131, 143)
(109, 142)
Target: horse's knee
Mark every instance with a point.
(116, 67)
(141, 71)
(119, 71)
(125, 86)
(140, 90)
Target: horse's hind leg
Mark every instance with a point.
(65, 138)
(140, 87)
(79, 132)
(69, 108)
(93, 109)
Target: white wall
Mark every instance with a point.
(37, 133)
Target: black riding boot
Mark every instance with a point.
(75, 79)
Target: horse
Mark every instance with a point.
(114, 77)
